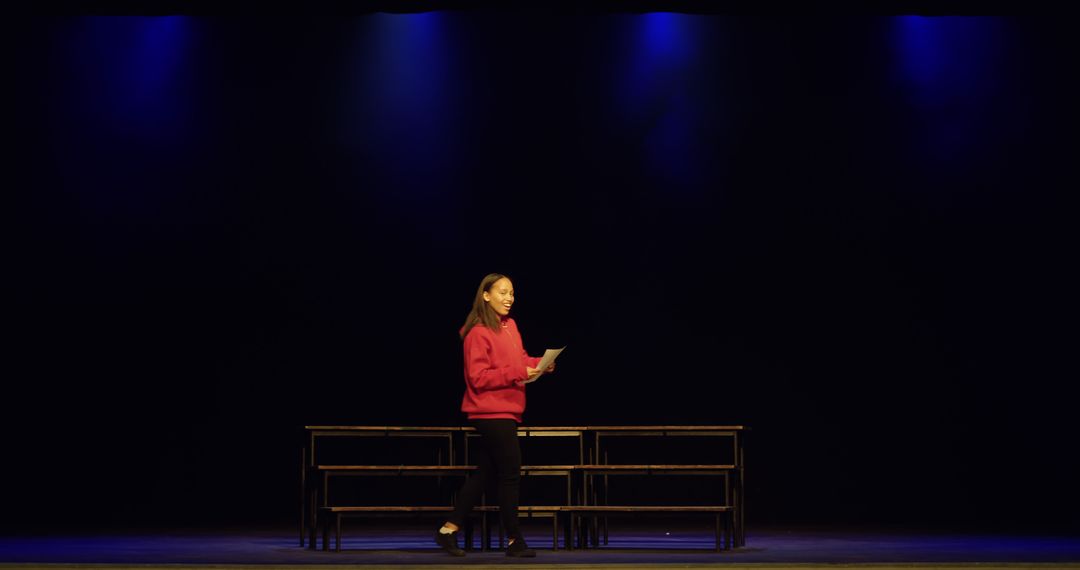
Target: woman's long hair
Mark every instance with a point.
(482, 313)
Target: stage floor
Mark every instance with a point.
(628, 547)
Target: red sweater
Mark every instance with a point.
(494, 365)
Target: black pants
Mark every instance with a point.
(498, 458)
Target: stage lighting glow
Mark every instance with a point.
(129, 73)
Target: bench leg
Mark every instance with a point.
(571, 530)
(303, 495)
(729, 523)
(313, 516)
(313, 524)
(326, 532)
(568, 534)
(583, 528)
(580, 531)
(485, 531)
(499, 529)
(555, 531)
(718, 522)
(337, 534)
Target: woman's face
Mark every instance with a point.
(500, 296)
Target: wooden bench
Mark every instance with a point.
(590, 498)
(735, 480)
(308, 500)
(328, 471)
(338, 513)
(604, 470)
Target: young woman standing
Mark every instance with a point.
(496, 368)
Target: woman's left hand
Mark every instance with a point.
(550, 369)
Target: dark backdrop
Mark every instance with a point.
(852, 234)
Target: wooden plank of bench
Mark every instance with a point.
(526, 469)
(664, 428)
(418, 468)
(386, 428)
(656, 466)
(537, 428)
(529, 428)
(387, 509)
(647, 509)
(560, 468)
(436, 469)
(526, 509)
(635, 469)
(440, 468)
(429, 509)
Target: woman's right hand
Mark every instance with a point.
(532, 372)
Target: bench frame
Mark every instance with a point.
(339, 513)
(730, 518)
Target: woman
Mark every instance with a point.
(496, 368)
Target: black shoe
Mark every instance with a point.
(519, 549)
(448, 542)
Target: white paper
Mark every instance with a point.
(549, 357)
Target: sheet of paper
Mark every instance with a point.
(549, 356)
